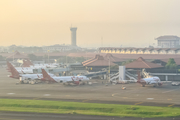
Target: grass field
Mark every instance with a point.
(44, 106)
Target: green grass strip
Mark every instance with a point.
(45, 106)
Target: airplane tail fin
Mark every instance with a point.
(29, 62)
(14, 72)
(8, 65)
(139, 76)
(25, 63)
(46, 76)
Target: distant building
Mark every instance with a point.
(168, 41)
(60, 48)
(139, 50)
(73, 35)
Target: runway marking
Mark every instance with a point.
(171, 105)
(114, 94)
(67, 95)
(169, 99)
(124, 97)
(47, 94)
(150, 98)
(10, 93)
(138, 103)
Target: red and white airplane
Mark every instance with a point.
(63, 79)
(15, 74)
(21, 70)
(148, 81)
(28, 63)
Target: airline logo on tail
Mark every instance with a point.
(47, 77)
(27, 63)
(14, 72)
(140, 80)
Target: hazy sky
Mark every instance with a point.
(119, 22)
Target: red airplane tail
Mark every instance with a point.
(25, 63)
(8, 66)
(46, 76)
(29, 62)
(139, 76)
(14, 72)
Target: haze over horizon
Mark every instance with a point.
(119, 22)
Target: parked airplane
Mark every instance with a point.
(63, 79)
(28, 63)
(15, 74)
(20, 70)
(151, 80)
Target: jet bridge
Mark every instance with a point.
(122, 74)
(101, 74)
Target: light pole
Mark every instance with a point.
(13, 55)
(66, 60)
(48, 56)
(109, 70)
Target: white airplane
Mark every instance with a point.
(20, 70)
(28, 63)
(151, 80)
(26, 68)
(63, 79)
(15, 74)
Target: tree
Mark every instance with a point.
(80, 59)
(115, 67)
(126, 62)
(68, 59)
(171, 64)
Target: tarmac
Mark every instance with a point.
(45, 116)
(98, 92)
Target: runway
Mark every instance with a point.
(41, 116)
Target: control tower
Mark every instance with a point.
(73, 36)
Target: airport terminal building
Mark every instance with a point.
(168, 41)
(139, 50)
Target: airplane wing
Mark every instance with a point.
(153, 82)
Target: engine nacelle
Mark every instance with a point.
(160, 84)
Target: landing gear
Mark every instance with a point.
(143, 85)
(21, 82)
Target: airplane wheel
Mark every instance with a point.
(21, 82)
(143, 85)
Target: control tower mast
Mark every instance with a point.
(73, 36)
